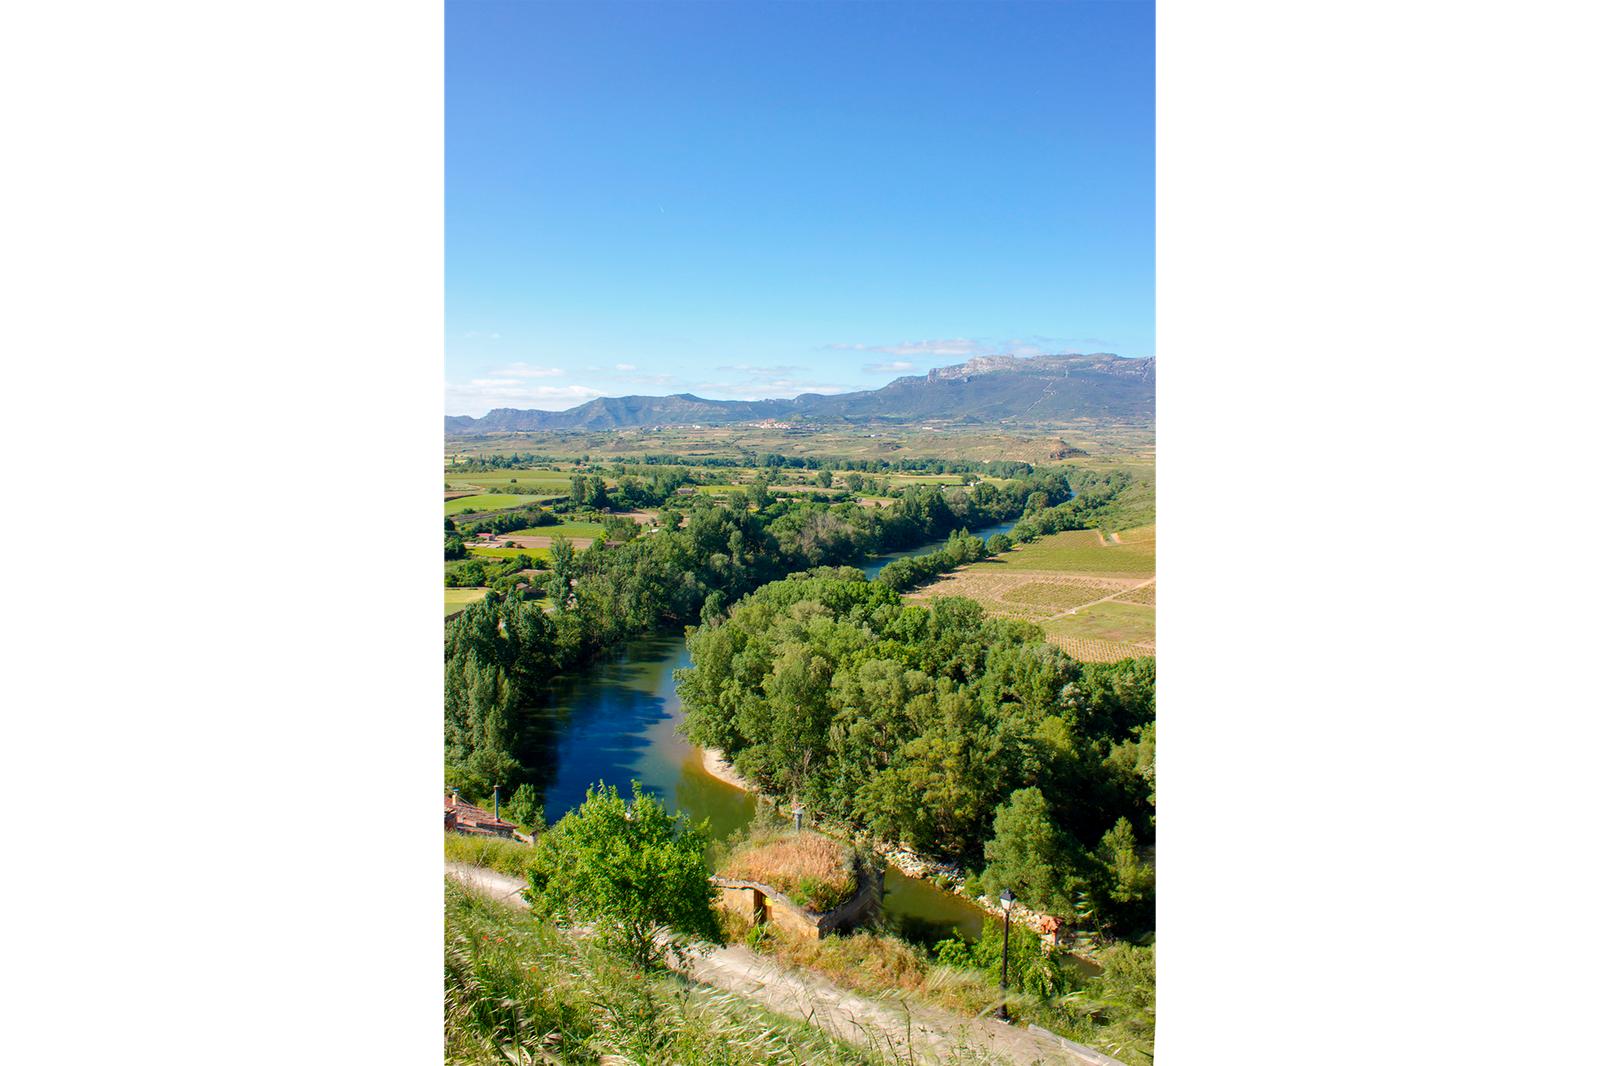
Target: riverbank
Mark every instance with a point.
(948, 877)
(721, 769)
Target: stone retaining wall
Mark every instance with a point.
(757, 903)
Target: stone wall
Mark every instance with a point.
(757, 903)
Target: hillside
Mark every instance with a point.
(1045, 388)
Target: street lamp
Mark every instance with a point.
(1006, 900)
(497, 803)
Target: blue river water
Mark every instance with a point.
(616, 722)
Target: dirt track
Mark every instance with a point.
(811, 997)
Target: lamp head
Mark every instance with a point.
(1006, 900)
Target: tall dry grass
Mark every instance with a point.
(524, 992)
(815, 871)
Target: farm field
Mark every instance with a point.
(509, 553)
(556, 484)
(455, 599)
(1095, 600)
(493, 501)
(1107, 444)
(1083, 552)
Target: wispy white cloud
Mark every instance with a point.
(765, 371)
(767, 383)
(480, 395)
(846, 347)
(626, 366)
(958, 346)
(523, 370)
(896, 367)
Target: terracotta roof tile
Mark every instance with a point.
(467, 813)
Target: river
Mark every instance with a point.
(616, 722)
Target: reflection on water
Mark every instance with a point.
(615, 722)
(871, 569)
(927, 912)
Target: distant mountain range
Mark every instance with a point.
(988, 389)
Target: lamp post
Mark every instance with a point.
(799, 812)
(1006, 900)
(497, 803)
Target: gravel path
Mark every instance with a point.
(929, 1032)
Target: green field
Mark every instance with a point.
(557, 484)
(1131, 446)
(1128, 623)
(1079, 551)
(455, 599)
(509, 553)
(492, 501)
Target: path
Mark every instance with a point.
(1102, 599)
(809, 996)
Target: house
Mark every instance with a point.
(463, 817)
(686, 492)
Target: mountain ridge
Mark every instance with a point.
(986, 388)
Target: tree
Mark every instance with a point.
(625, 868)
(563, 563)
(526, 808)
(1029, 855)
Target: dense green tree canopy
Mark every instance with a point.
(627, 869)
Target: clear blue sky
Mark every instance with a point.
(761, 199)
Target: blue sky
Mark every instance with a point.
(744, 200)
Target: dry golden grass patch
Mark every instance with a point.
(815, 871)
(1137, 536)
(1059, 594)
(1146, 594)
(1028, 594)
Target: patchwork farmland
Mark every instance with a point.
(1092, 597)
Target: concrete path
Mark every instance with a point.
(928, 1032)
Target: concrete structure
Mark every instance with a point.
(758, 903)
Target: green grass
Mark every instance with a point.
(1122, 622)
(507, 856)
(1079, 551)
(491, 501)
(556, 484)
(455, 599)
(519, 990)
(509, 553)
(566, 529)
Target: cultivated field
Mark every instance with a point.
(1096, 600)
(527, 549)
(1108, 444)
(492, 501)
(1084, 551)
(455, 599)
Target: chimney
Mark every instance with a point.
(455, 796)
